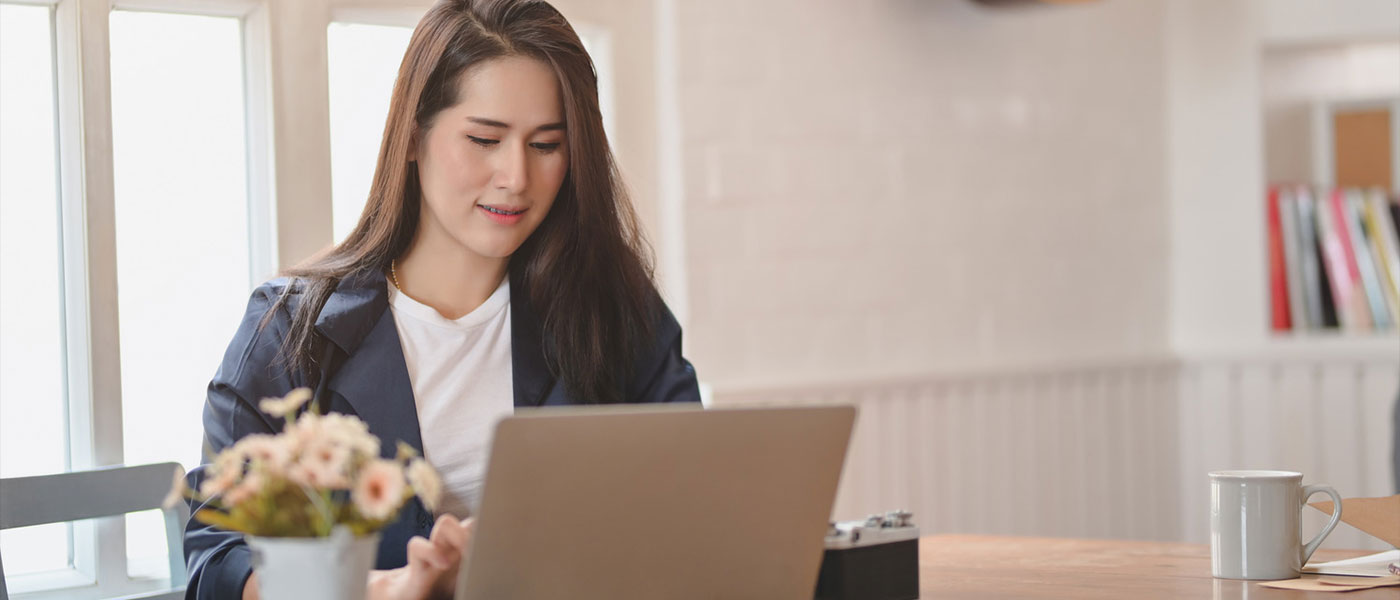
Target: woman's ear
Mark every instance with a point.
(413, 145)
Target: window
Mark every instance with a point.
(33, 419)
(598, 42)
(179, 164)
(363, 62)
(149, 269)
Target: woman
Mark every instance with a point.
(497, 264)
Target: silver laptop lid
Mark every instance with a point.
(656, 502)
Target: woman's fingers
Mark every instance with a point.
(452, 538)
(449, 533)
(423, 554)
(432, 562)
(442, 528)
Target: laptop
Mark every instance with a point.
(593, 503)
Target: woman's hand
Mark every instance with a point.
(431, 572)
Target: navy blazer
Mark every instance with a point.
(369, 379)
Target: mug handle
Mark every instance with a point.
(1308, 491)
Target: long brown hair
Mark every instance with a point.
(585, 271)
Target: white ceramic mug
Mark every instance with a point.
(1254, 523)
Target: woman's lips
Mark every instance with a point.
(502, 215)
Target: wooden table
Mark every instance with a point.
(976, 566)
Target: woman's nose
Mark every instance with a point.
(511, 171)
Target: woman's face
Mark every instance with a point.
(491, 165)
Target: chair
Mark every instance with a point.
(104, 492)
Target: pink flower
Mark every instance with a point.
(251, 485)
(267, 451)
(226, 473)
(349, 431)
(324, 465)
(379, 490)
(333, 428)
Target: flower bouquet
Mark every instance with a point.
(310, 499)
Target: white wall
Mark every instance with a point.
(1026, 242)
(628, 25)
(1297, 22)
(900, 187)
(1215, 183)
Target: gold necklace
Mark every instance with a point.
(394, 273)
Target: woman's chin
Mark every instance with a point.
(491, 246)
(489, 241)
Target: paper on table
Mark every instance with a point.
(1379, 517)
(1373, 565)
(1313, 583)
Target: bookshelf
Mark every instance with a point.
(1240, 110)
(1334, 260)
(1331, 117)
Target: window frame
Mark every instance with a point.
(287, 112)
(92, 361)
(362, 14)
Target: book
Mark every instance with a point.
(1330, 319)
(1333, 258)
(1394, 206)
(1314, 287)
(1352, 306)
(1334, 262)
(1365, 266)
(1278, 287)
(1385, 248)
(1292, 261)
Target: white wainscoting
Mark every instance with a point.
(1111, 451)
(1325, 414)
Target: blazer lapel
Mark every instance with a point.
(374, 381)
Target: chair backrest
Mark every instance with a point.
(103, 492)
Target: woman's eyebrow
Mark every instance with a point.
(503, 125)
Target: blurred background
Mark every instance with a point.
(1065, 257)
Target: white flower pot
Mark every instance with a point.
(329, 568)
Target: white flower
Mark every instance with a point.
(177, 489)
(335, 429)
(350, 432)
(249, 487)
(269, 452)
(425, 483)
(226, 470)
(324, 465)
(303, 476)
(281, 407)
(379, 490)
(302, 430)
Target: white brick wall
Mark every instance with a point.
(903, 185)
(1014, 238)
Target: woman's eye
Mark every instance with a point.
(483, 142)
(545, 147)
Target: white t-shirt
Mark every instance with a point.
(461, 376)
